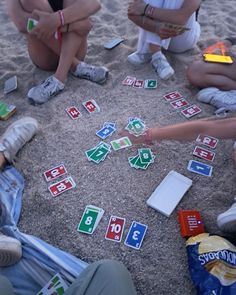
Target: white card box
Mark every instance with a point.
(169, 192)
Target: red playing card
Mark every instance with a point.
(73, 112)
(191, 111)
(55, 172)
(91, 106)
(207, 140)
(203, 154)
(179, 103)
(190, 223)
(115, 229)
(129, 81)
(138, 83)
(61, 186)
(172, 95)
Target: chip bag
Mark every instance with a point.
(212, 264)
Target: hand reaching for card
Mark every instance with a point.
(142, 139)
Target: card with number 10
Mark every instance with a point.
(115, 229)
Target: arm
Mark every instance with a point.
(222, 129)
(17, 14)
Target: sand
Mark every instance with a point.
(160, 266)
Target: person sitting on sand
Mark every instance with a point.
(221, 128)
(217, 80)
(58, 42)
(156, 19)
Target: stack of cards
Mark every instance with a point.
(121, 143)
(136, 126)
(56, 286)
(138, 83)
(202, 153)
(10, 85)
(62, 185)
(178, 28)
(90, 219)
(91, 106)
(6, 110)
(143, 159)
(107, 130)
(98, 153)
(177, 101)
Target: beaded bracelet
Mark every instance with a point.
(62, 19)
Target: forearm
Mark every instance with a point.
(144, 22)
(222, 129)
(74, 12)
(17, 14)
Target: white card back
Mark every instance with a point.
(169, 192)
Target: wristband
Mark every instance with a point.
(144, 12)
(150, 11)
(148, 137)
(62, 19)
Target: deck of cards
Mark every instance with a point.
(136, 126)
(6, 110)
(90, 219)
(56, 286)
(107, 130)
(142, 160)
(98, 153)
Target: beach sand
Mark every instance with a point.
(160, 266)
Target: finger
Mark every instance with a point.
(36, 14)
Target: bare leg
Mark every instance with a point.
(3, 161)
(202, 74)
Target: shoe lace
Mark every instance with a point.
(161, 63)
(47, 87)
(225, 98)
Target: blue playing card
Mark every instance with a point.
(136, 235)
(105, 132)
(200, 168)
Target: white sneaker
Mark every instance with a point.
(16, 135)
(46, 90)
(95, 74)
(223, 100)
(227, 220)
(161, 65)
(10, 251)
(138, 58)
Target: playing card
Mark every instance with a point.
(138, 83)
(177, 28)
(121, 143)
(105, 131)
(73, 112)
(176, 104)
(191, 111)
(136, 235)
(136, 163)
(56, 286)
(150, 84)
(91, 106)
(6, 110)
(55, 172)
(146, 155)
(61, 186)
(208, 141)
(90, 219)
(136, 126)
(200, 168)
(112, 124)
(98, 153)
(172, 95)
(31, 23)
(203, 153)
(115, 229)
(129, 81)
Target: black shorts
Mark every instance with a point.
(56, 4)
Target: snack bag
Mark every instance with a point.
(212, 264)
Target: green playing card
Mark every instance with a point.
(138, 126)
(121, 143)
(145, 155)
(31, 24)
(99, 154)
(150, 84)
(88, 221)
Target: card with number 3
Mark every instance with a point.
(115, 229)
(136, 235)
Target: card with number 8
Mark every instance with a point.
(115, 229)
(90, 219)
(136, 235)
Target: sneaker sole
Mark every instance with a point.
(206, 95)
(138, 64)
(10, 251)
(227, 223)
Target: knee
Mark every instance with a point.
(194, 73)
(82, 28)
(110, 267)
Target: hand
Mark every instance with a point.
(142, 139)
(136, 7)
(47, 24)
(165, 32)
